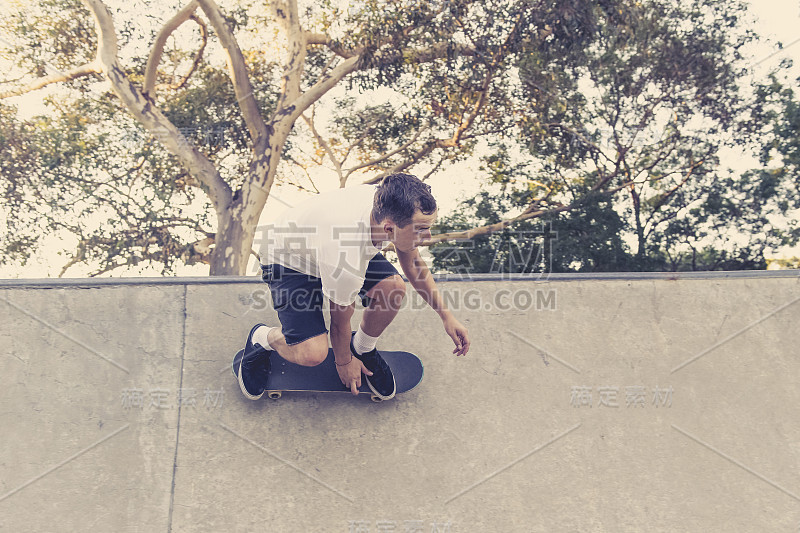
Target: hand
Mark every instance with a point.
(459, 334)
(350, 374)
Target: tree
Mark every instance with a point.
(632, 121)
(603, 96)
(374, 44)
(586, 239)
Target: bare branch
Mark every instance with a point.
(387, 155)
(80, 255)
(198, 56)
(144, 110)
(15, 80)
(662, 199)
(238, 72)
(491, 228)
(285, 11)
(320, 39)
(310, 180)
(434, 169)
(531, 212)
(426, 149)
(466, 124)
(317, 38)
(158, 46)
(84, 70)
(322, 86)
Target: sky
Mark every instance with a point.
(775, 21)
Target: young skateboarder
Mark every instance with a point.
(329, 247)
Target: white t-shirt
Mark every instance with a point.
(328, 237)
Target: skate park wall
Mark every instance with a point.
(619, 402)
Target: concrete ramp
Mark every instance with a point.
(606, 403)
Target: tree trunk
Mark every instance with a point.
(233, 243)
(637, 210)
(237, 223)
(227, 255)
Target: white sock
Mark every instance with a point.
(363, 343)
(260, 336)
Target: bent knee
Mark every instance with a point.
(393, 287)
(313, 351)
(398, 285)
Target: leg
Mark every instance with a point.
(385, 300)
(298, 300)
(310, 352)
(383, 304)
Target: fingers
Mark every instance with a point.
(357, 382)
(459, 346)
(465, 344)
(461, 340)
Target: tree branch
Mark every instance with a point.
(285, 11)
(491, 228)
(158, 46)
(466, 124)
(572, 131)
(84, 70)
(365, 133)
(662, 199)
(325, 84)
(529, 213)
(80, 255)
(452, 142)
(426, 149)
(144, 110)
(434, 169)
(238, 73)
(385, 156)
(325, 146)
(198, 56)
(316, 39)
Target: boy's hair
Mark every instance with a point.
(399, 196)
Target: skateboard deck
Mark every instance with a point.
(289, 377)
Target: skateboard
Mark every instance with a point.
(289, 377)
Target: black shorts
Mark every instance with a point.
(298, 297)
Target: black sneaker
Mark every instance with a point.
(381, 382)
(251, 367)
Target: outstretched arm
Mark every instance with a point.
(420, 278)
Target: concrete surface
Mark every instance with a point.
(650, 403)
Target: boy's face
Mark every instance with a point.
(408, 238)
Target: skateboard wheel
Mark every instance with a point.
(274, 394)
(376, 399)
